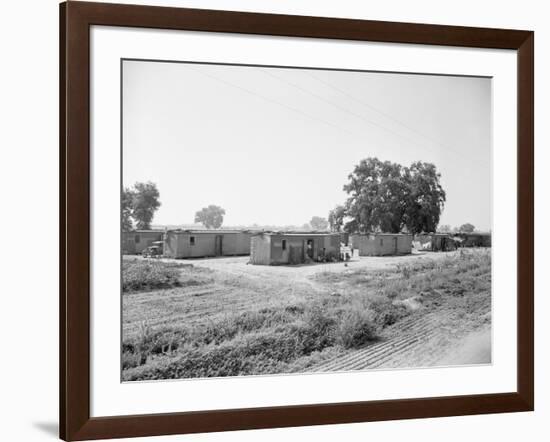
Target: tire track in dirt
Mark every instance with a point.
(404, 339)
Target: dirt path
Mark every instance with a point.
(475, 349)
(238, 266)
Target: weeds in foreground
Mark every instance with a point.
(234, 346)
(143, 275)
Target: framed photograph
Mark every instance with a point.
(272, 221)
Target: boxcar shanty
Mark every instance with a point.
(135, 241)
(382, 244)
(203, 243)
(435, 242)
(474, 239)
(272, 248)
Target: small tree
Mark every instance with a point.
(467, 228)
(210, 217)
(336, 218)
(445, 228)
(127, 202)
(145, 202)
(318, 223)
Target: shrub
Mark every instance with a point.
(356, 328)
(316, 330)
(130, 360)
(150, 342)
(387, 311)
(405, 270)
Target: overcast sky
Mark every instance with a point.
(274, 146)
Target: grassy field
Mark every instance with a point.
(189, 320)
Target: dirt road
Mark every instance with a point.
(236, 265)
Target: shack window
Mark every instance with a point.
(136, 239)
(191, 240)
(284, 244)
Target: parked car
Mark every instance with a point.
(155, 250)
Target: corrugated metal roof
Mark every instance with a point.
(216, 231)
(300, 233)
(380, 234)
(144, 231)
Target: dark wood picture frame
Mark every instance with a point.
(75, 21)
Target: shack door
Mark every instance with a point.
(218, 245)
(296, 255)
(395, 251)
(309, 248)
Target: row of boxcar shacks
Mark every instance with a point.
(295, 248)
(189, 243)
(269, 248)
(447, 242)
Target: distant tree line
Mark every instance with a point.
(465, 228)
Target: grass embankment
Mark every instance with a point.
(350, 310)
(139, 275)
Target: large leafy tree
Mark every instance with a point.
(210, 217)
(378, 194)
(126, 209)
(336, 218)
(145, 203)
(318, 223)
(387, 197)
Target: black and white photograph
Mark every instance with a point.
(284, 220)
(276, 220)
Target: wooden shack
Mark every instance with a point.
(203, 243)
(135, 241)
(382, 244)
(279, 248)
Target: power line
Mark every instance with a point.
(384, 114)
(271, 100)
(354, 114)
(315, 118)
